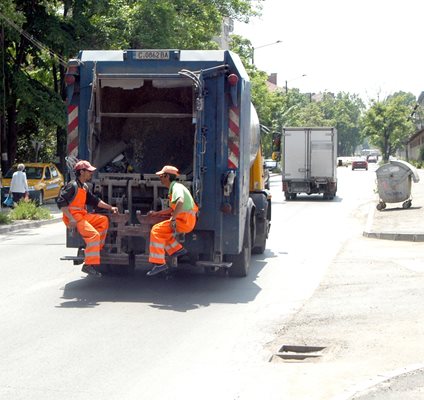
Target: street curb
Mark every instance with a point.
(26, 224)
(361, 388)
(369, 233)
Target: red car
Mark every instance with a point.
(359, 163)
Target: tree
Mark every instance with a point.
(387, 123)
(33, 80)
(343, 111)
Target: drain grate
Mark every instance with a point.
(298, 353)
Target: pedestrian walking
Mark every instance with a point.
(19, 184)
(182, 219)
(73, 201)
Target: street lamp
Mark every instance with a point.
(259, 47)
(301, 76)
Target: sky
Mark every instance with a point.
(369, 47)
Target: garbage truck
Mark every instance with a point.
(132, 111)
(309, 161)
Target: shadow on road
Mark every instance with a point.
(183, 291)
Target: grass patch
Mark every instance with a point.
(4, 218)
(29, 210)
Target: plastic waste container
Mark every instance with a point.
(394, 183)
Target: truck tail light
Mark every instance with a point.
(233, 79)
(226, 208)
(71, 75)
(69, 79)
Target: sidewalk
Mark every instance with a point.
(397, 223)
(28, 224)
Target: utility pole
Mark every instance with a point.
(285, 86)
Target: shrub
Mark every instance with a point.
(29, 210)
(4, 218)
(417, 164)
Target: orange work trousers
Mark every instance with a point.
(93, 229)
(162, 237)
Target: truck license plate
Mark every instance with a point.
(153, 55)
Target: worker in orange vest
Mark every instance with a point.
(182, 218)
(92, 227)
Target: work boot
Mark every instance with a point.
(181, 252)
(91, 270)
(157, 269)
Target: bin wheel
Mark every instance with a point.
(381, 206)
(407, 204)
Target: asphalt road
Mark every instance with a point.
(63, 335)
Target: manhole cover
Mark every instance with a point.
(298, 353)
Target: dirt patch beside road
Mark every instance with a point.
(367, 314)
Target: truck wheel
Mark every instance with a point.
(261, 238)
(241, 262)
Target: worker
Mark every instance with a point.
(182, 219)
(73, 199)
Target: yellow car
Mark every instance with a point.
(44, 181)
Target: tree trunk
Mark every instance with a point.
(12, 134)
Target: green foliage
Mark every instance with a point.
(181, 24)
(277, 109)
(421, 153)
(34, 89)
(4, 218)
(417, 163)
(29, 210)
(387, 123)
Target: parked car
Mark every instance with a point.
(44, 181)
(359, 163)
(266, 178)
(270, 164)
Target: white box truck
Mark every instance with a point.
(309, 161)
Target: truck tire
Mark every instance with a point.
(261, 237)
(241, 262)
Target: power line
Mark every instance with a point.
(33, 40)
